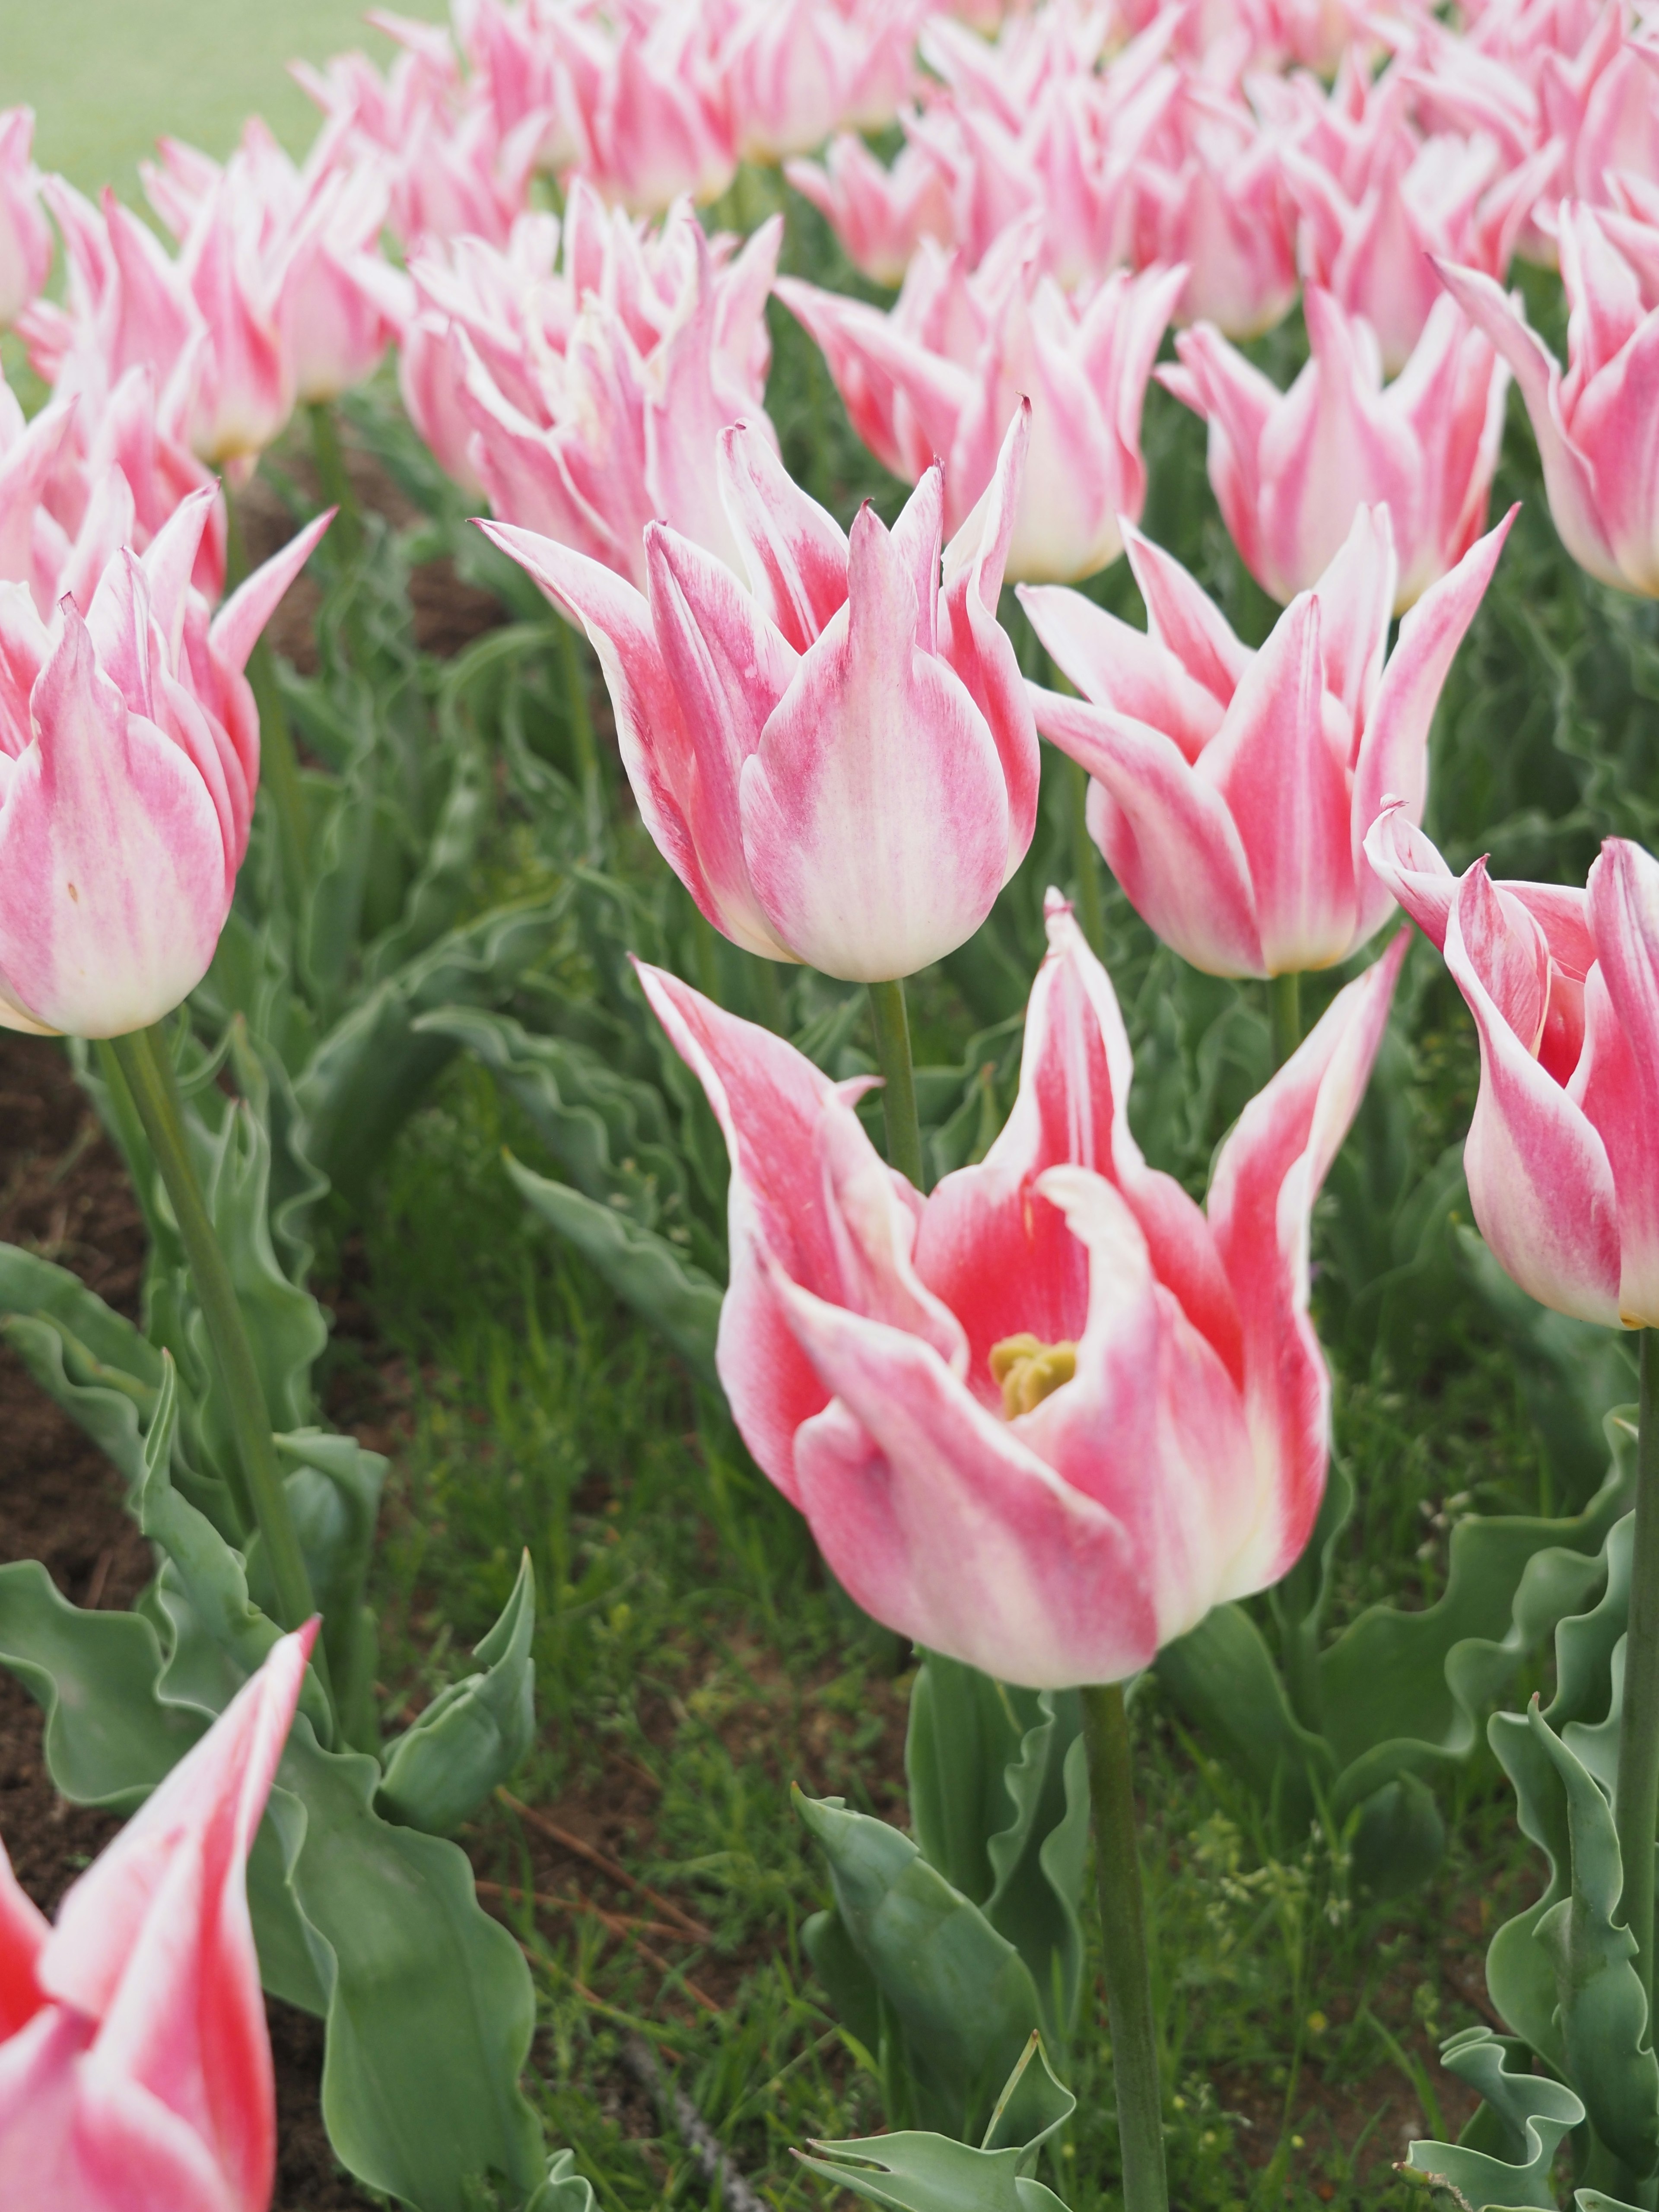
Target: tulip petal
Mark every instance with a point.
(1149, 1392)
(875, 814)
(795, 553)
(938, 1520)
(1113, 664)
(236, 628)
(1411, 870)
(1621, 1096)
(23, 1928)
(1166, 833)
(1268, 1175)
(1540, 1179)
(1273, 766)
(1393, 758)
(1185, 620)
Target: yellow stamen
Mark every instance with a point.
(1027, 1371)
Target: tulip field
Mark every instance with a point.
(829, 1107)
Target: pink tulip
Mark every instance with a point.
(1230, 790)
(1043, 1419)
(647, 105)
(135, 2063)
(1593, 426)
(795, 70)
(1291, 470)
(945, 371)
(592, 403)
(839, 764)
(880, 215)
(25, 236)
(129, 758)
(1561, 1156)
(1212, 197)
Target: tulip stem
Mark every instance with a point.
(279, 764)
(146, 1064)
(899, 1097)
(1285, 1015)
(1128, 1969)
(334, 478)
(1091, 911)
(1636, 1799)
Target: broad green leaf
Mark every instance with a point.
(1399, 1838)
(961, 1996)
(89, 1360)
(109, 1739)
(644, 1270)
(334, 1492)
(472, 1736)
(1223, 1678)
(910, 2172)
(1505, 2161)
(430, 2009)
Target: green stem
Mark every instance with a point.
(1637, 1801)
(575, 699)
(1285, 1015)
(1085, 865)
(147, 1065)
(899, 1097)
(1128, 1971)
(279, 764)
(332, 476)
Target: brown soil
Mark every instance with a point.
(64, 1194)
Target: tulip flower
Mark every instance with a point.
(1212, 197)
(1230, 790)
(795, 70)
(1562, 1159)
(880, 215)
(135, 2063)
(646, 108)
(25, 237)
(593, 404)
(839, 763)
(129, 759)
(1593, 426)
(1044, 1419)
(1290, 469)
(943, 374)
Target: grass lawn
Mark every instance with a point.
(106, 77)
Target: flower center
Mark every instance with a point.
(1027, 1371)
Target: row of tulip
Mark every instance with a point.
(1045, 1418)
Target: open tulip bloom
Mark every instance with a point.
(1044, 1419)
(135, 2064)
(838, 761)
(1230, 791)
(129, 760)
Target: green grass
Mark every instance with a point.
(106, 77)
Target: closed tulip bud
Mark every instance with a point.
(1044, 1419)
(129, 760)
(135, 2062)
(1563, 1151)
(1230, 790)
(838, 763)
(1290, 469)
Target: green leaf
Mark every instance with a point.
(109, 1738)
(911, 2171)
(472, 1736)
(430, 2009)
(564, 2189)
(1000, 1803)
(1223, 1678)
(370, 1071)
(334, 1494)
(643, 1269)
(88, 1359)
(1509, 2170)
(960, 1997)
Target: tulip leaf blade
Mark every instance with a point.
(474, 1733)
(89, 1360)
(956, 2000)
(1505, 2159)
(644, 1270)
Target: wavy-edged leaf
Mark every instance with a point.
(1507, 2152)
(89, 1360)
